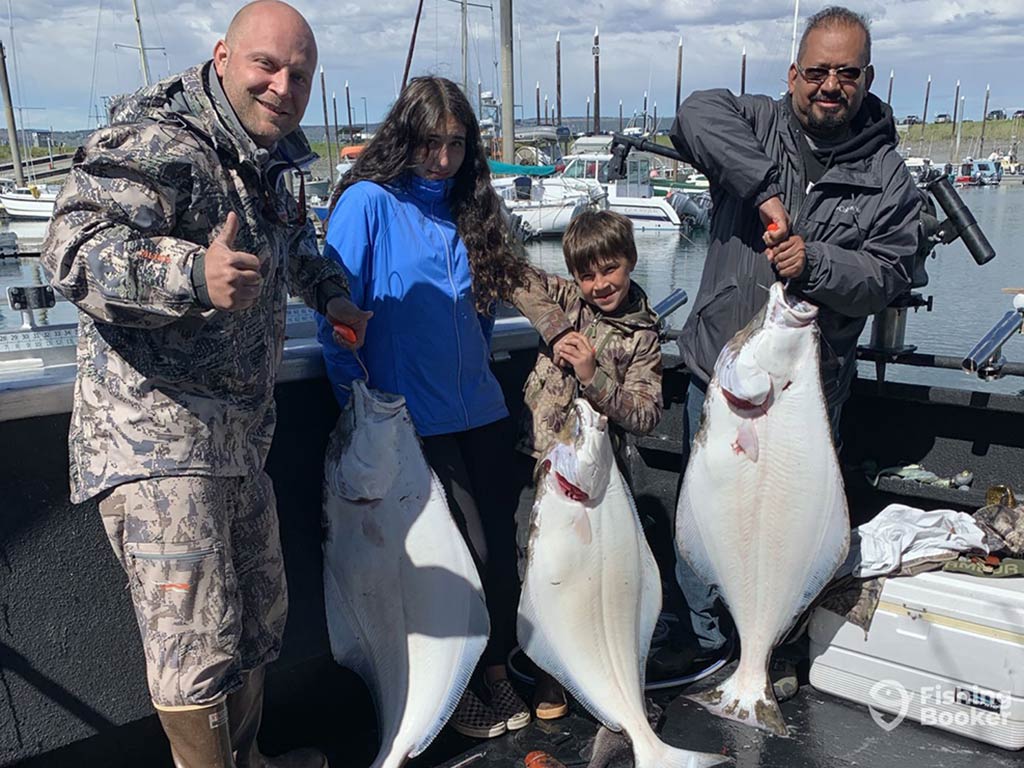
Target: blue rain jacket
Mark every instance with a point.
(426, 341)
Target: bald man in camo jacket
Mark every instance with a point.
(177, 240)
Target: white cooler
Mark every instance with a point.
(944, 649)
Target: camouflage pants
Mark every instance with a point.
(204, 564)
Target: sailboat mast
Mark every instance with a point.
(12, 133)
(142, 46)
(796, 22)
(465, 48)
(16, 92)
(507, 84)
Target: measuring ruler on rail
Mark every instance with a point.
(67, 335)
(39, 338)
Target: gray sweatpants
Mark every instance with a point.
(204, 565)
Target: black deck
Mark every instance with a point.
(826, 732)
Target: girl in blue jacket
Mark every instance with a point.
(420, 232)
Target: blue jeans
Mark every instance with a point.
(706, 608)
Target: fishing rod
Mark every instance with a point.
(621, 146)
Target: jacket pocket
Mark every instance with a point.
(715, 321)
(838, 222)
(717, 317)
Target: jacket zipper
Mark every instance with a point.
(455, 312)
(591, 326)
(186, 556)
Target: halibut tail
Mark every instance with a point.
(751, 705)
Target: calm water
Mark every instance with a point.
(967, 298)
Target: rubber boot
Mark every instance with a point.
(245, 712)
(199, 736)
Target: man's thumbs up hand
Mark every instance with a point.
(233, 277)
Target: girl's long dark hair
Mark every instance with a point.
(424, 104)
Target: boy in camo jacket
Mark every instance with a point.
(612, 357)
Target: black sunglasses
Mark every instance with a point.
(818, 75)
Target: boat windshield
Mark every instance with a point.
(584, 168)
(638, 171)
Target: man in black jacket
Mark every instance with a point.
(807, 188)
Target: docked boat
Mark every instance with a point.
(319, 195)
(632, 196)
(691, 182)
(588, 144)
(317, 187)
(29, 202)
(539, 145)
(545, 210)
(979, 173)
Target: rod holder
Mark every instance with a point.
(986, 358)
(666, 307)
(28, 298)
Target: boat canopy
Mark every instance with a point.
(510, 169)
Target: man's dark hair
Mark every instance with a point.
(595, 238)
(837, 16)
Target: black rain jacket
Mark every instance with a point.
(859, 223)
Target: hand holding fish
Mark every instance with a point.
(577, 350)
(342, 313)
(775, 218)
(789, 258)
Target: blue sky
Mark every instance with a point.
(67, 60)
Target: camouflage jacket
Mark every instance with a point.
(627, 385)
(167, 385)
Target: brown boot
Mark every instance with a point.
(245, 711)
(199, 736)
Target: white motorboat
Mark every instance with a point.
(544, 209)
(632, 196)
(31, 202)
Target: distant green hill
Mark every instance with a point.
(998, 131)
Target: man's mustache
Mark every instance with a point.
(831, 97)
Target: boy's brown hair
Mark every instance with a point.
(595, 237)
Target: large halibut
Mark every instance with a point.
(405, 607)
(591, 594)
(762, 512)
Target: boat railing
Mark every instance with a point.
(38, 365)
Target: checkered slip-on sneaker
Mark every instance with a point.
(785, 684)
(508, 706)
(475, 719)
